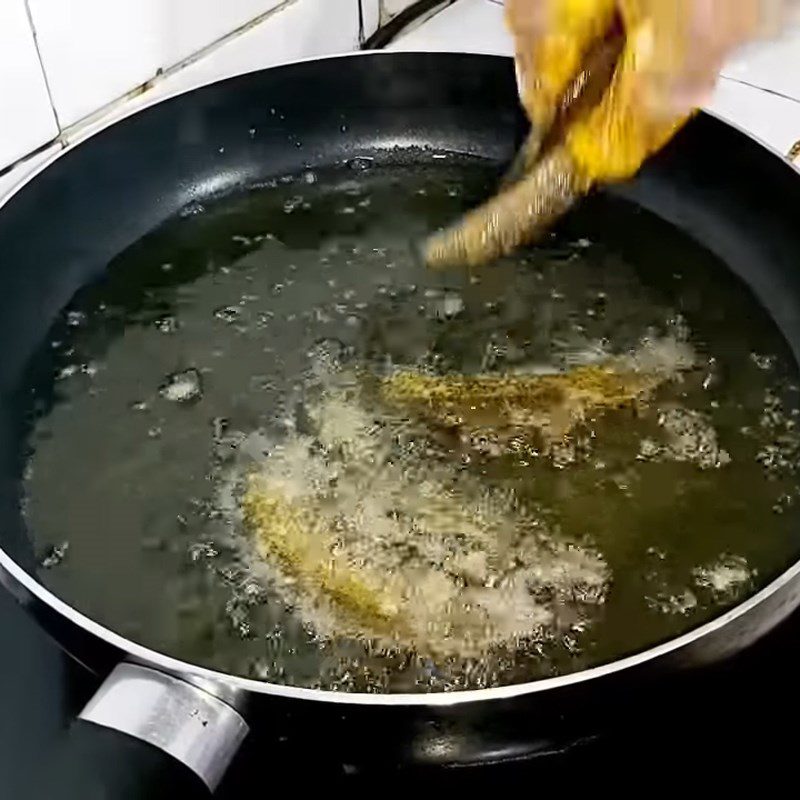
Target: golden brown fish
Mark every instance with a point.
(548, 404)
(292, 536)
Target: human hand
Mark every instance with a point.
(606, 83)
(673, 52)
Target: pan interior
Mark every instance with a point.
(212, 345)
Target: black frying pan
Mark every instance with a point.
(60, 230)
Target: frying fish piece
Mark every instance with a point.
(290, 535)
(548, 404)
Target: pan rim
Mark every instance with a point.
(15, 577)
(229, 685)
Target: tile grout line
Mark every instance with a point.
(32, 26)
(766, 90)
(32, 154)
(222, 40)
(65, 134)
(164, 73)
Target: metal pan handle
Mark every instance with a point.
(144, 734)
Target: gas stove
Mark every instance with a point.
(732, 718)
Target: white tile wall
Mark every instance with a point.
(304, 29)
(95, 51)
(372, 15)
(468, 26)
(773, 119)
(27, 118)
(773, 65)
(189, 25)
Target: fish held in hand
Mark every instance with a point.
(616, 67)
